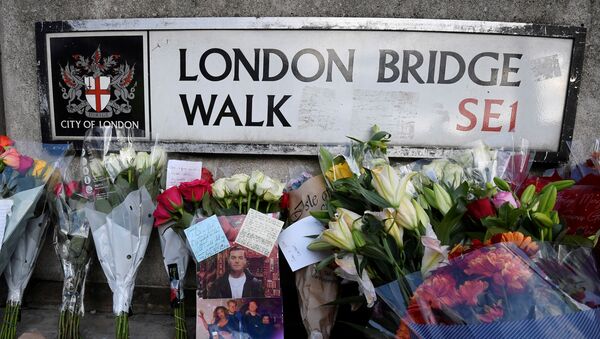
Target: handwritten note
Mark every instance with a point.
(206, 238)
(259, 232)
(294, 240)
(5, 211)
(179, 171)
(311, 196)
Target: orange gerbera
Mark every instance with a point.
(506, 269)
(470, 291)
(524, 243)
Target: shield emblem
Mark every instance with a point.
(97, 93)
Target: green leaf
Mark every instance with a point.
(102, 205)
(325, 262)
(323, 216)
(576, 240)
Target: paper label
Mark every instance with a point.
(294, 240)
(206, 238)
(311, 196)
(5, 211)
(179, 171)
(259, 232)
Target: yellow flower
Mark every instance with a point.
(38, 167)
(338, 171)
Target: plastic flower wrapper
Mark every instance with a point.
(518, 165)
(574, 268)
(493, 291)
(120, 216)
(26, 170)
(177, 209)
(72, 244)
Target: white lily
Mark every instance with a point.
(435, 254)
(347, 270)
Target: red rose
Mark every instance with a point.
(161, 215)
(481, 208)
(193, 191)
(171, 199)
(284, 203)
(58, 189)
(207, 175)
(72, 188)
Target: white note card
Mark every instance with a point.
(5, 211)
(179, 171)
(259, 232)
(294, 240)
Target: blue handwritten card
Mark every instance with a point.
(206, 238)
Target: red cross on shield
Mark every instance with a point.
(97, 92)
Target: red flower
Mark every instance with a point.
(469, 292)
(480, 209)
(58, 189)
(284, 203)
(194, 190)
(171, 199)
(507, 270)
(437, 290)
(161, 215)
(25, 164)
(491, 314)
(5, 141)
(72, 188)
(207, 175)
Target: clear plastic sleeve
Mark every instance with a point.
(124, 186)
(496, 291)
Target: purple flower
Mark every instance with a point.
(503, 197)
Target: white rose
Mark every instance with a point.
(238, 184)
(219, 189)
(113, 165)
(275, 191)
(142, 161)
(127, 156)
(158, 157)
(256, 179)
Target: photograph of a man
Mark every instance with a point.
(237, 282)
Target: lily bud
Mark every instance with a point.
(443, 199)
(406, 215)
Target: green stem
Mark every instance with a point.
(122, 329)
(268, 208)
(240, 204)
(249, 202)
(257, 203)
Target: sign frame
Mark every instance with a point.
(575, 33)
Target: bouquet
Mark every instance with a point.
(24, 216)
(125, 185)
(308, 193)
(176, 208)
(73, 246)
(491, 285)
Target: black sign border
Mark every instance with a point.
(575, 33)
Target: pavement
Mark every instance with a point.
(43, 323)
